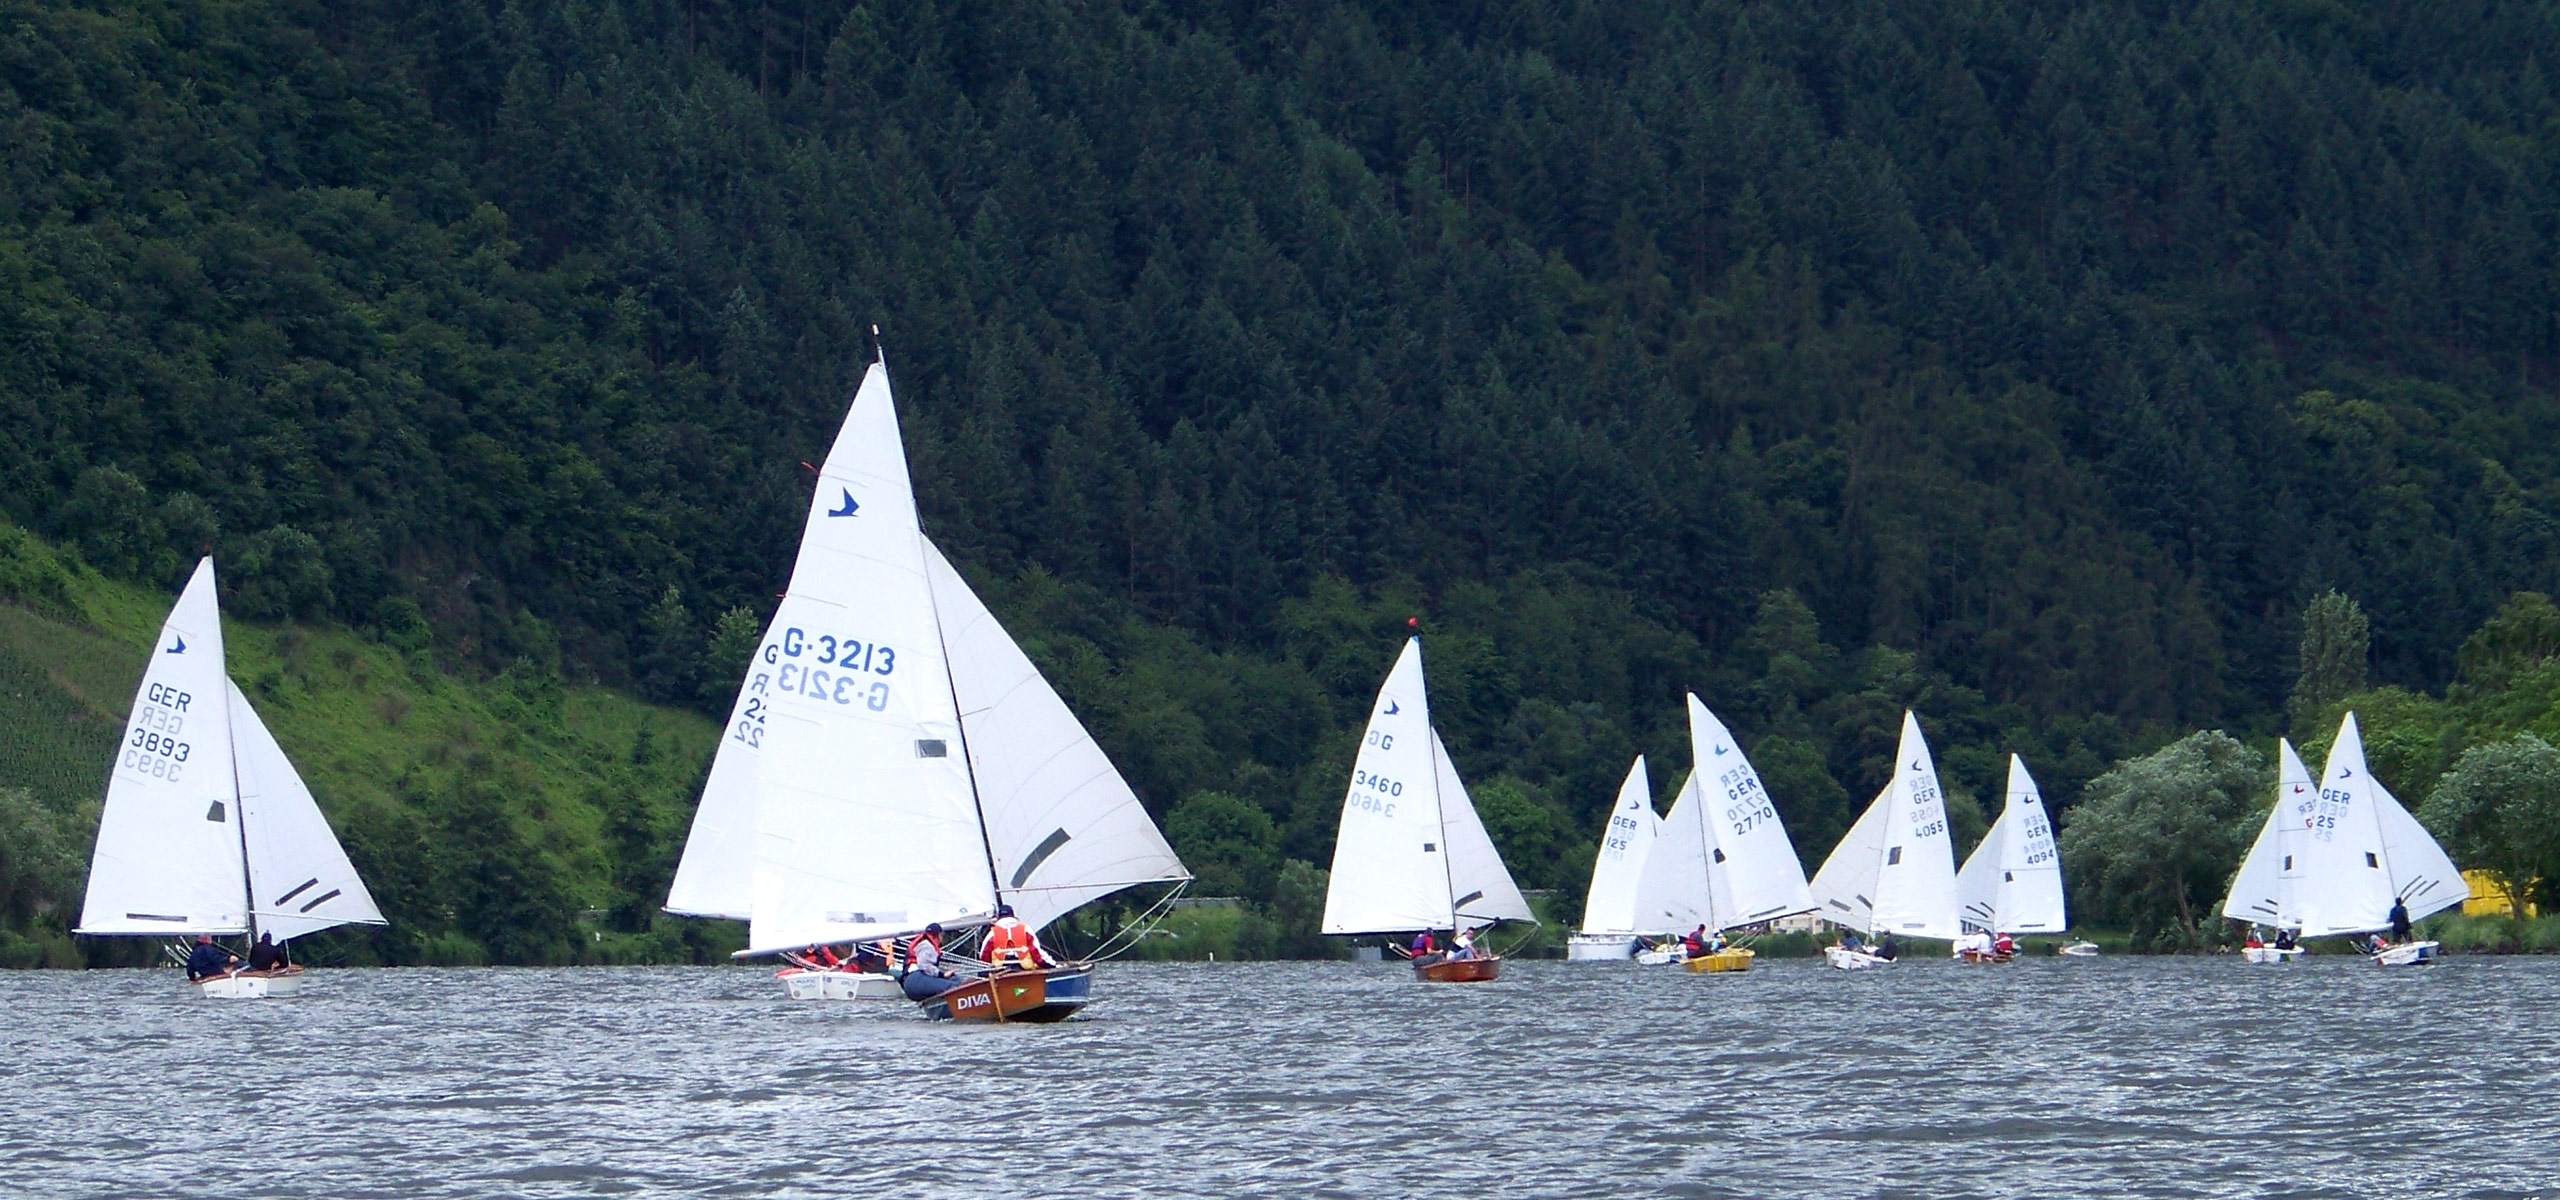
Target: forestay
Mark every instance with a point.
(168, 856)
(1895, 871)
(865, 822)
(1064, 827)
(2012, 883)
(1610, 906)
(299, 878)
(2270, 877)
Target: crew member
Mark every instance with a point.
(2253, 942)
(1010, 943)
(2004, 945)
(2399, 920)
(925, 976)
(1422, 946)
(1462, 944)
(208, 960)
(1887, 950)
(267, 955)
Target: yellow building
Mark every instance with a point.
(2489, 896)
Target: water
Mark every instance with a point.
(2128, 1077)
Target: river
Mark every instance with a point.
(2113, 1076)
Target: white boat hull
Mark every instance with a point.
(2413, 954)
(1853, 960)
(1661, 958)
(2269, 954)
(2079, 950)
(1599, 947)
(249, 987)
(840, 985)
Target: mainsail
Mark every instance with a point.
(1895, 871)
(2362, 850)
(1411, 853)
(2270, 877)
(893, 759)
(1723, 859)
(207, 826)
(1610, 906)
(2012, 883)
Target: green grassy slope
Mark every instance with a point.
(517, 803)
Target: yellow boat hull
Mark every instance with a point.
(1731, 958)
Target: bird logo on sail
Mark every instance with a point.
(1391, 708)
(849, 506)
(1915, 766)
(181, 647)
(1720, 751)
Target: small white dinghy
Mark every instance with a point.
(2407, 954)
(1609, 932)
(1895, 870)
(2269, 954)
(803, 983)
(2079, 950)
(207, 827)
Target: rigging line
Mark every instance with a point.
(1139, 926)
(239, 811)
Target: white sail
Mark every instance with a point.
(2264, 891)
(2012, 883)
(1610, 906)
(169, 857)
(1063, 824)
(1390, 868)
(1677, 893)
(716, 875)
(2421, 875)
(866, 824)
(2346, 881)
(1756, 871)
(1480, 887)
(1897, 875)
(299, 878)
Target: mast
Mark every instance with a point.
(1440, 812)
(1706, 842)
(240, 817)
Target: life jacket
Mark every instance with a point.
(922, 940)
(1009, 940)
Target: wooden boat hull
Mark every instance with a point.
(1461, 970)
(1731, 958)
(1982, 956)
(251, 985)
(2411, 954)
(1005, 997)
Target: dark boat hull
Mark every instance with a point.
(1463, 970)
(1048, 994)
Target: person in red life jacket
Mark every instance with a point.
(1010, 943)
(1696, 941)
(823, 958)
(925, 976)
(2004, 945)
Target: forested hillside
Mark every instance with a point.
(2032, 364)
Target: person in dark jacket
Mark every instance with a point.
(1887, 950)
(209, 960)
(2399, 920)
(267, 955)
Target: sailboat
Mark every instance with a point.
(207, 827)
(894, 761)
(2266, 890)
(1724, 860)
(1609, 926)
(1894, 872)
(1411, 854)
(2012, 882)
(2362, 851)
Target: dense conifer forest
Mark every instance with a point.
(2033, 365)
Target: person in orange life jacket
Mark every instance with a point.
(822, 957)
(1010, 943)
(925, 976)
(872, 957)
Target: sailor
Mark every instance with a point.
(1010, 943)
(1715, 942)
(823, 958)
(1886, 950)
(2399, 920)
(2004, 945)
(925, 975)
(209, 960)
(1850, 941)
(2254, 941)
(1422, 946)
(267, 955)
(872, 957)
(2284, 937)
(1696, 941)
(1462, 944)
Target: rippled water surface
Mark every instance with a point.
(2045, 1077)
